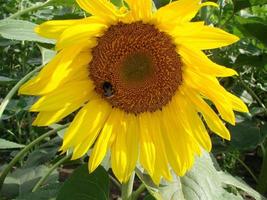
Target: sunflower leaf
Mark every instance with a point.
(47, 55)
(242, 4)
(248, 134)
(81, 185)
(22, 180)
(253, 27)
(4, 79)
(48, 192)
(21, 30)
(5, 144)
(202, 182)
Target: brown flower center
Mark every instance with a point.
(135, 67)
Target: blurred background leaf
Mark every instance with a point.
(81, 185)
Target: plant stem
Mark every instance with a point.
(114, 181)
(15, 89)
(250, 91)
(248, 169)
(30, 9)
(228, 20)
(44, 178)
(127, 188)
(262, 183)
(139, 191)
(22, 153)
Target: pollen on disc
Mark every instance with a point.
(135, 67)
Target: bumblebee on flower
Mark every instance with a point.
(140, 81)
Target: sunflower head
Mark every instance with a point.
(135, 67)
(140, 80)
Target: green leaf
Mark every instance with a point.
(149, 197)
(84, 186)
(172, 190)
(150, 186)
(5, 42)
(21, 181)
(240, 184)
(4, 79)
(250, 60)
(69, 3)
(44, 153)
(47, 55)
(20, 30)
(247, 134)
(48, 192)
(242, 4)
(61, 132)
(253, 27)
(203, 182)
(5, 144)
(118, 3)
(160, 3)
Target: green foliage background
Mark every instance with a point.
(20, 53)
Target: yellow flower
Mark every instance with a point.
(141, 80)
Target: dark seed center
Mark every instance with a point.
(135, 67)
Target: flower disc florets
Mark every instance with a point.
(135, 67)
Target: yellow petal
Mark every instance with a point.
(147, 146)
(162, 165)
(190, 146)
(101, 8)
(46, 118)
(105, 139)
(88, 138)
(81, 149)
(174, 158)
(192, 122)
(197, 60)
(180, 11)
(67, 95)
(237, 103)
(82, 34)
(177, 141)
(179, 106)
(124, 150)
(141, 10)
(182, 29)
(210, 88)
(212, 120)
(63, 67)
(54, 28)
(207, 38)
(86, 125)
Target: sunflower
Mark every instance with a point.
(141, 82)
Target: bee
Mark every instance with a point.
(108, 90)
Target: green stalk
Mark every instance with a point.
(14, 90)
(248, 169)
(44, 178)
(252, 93)
(30, 9)
(24, 151)
(127, 188)
(114, 181)
(139, 191)
(262, 183)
